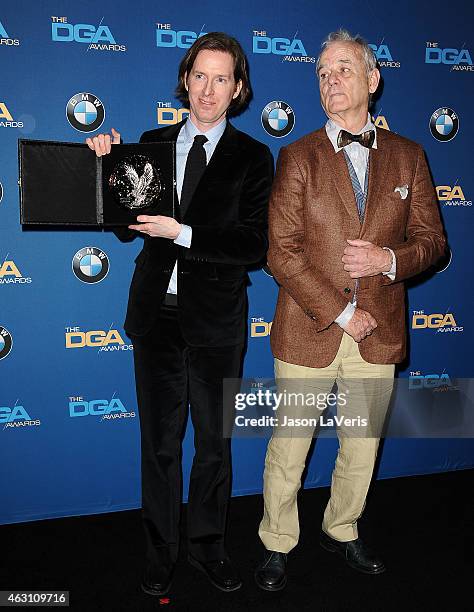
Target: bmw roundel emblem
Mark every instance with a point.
(266, 269)
(445, 261)
(278, 118)
(6, 342)
(444, 124)
(85, 112)
(90, 265)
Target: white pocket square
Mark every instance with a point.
(402, 190)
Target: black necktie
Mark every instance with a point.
(366, 139)
(195, 166)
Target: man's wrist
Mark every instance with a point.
(185, 236)
(346, 315)
(389, 260)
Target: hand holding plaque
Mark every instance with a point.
(102, 143)
(64, 184)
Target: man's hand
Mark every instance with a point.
(361, 325)
(363, 258)
(157, 226)
(102, 143)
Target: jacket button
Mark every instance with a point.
(347, 290)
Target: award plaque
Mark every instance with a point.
(67, 184)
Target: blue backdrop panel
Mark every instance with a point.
(69, 433)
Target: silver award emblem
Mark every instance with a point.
(136, 183)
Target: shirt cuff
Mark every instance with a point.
(184, 237)
(346, 315)
(393, 270)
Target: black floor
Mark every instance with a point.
(422, 525)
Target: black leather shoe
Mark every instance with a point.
(154, 583)
(270, 575)
(221, 573)
(356, 553)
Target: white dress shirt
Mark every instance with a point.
(184, 143)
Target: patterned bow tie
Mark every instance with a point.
(366, 139)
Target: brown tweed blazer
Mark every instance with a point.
(313, 211)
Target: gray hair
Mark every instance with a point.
(343, 35)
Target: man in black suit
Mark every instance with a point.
(187, 308)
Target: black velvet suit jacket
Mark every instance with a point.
(228, 216)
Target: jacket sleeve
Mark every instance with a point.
(424, 241)
(309, 288)
(245, 242)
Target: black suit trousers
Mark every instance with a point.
(170, 376)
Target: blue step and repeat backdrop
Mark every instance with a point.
(69, 432)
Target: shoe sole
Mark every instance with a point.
(195, 563)
(155, 593)
(333, 549)
(271, 588)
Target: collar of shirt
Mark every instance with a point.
(185, 141)
(333, 129)
(189, 131)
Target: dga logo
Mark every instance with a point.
(85, 112)
(90, 265)
(9, 273)
(380, 121)
(259, 328)
(458, 59)
(6, 342)
(5, 39)
(452, 196)
(107, 409)
(439, 322)
(110, 340)
(5, 114)
(444, 124)
(167, 115)
(183, 39)
(16, 416)
(99, 38)
(417, 381)
(383, 56)
(291, 50)
(278, 118)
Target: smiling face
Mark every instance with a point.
(211, 88)
(344, 84)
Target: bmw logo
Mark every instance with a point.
(444, 124)
(278, 118)
(266, 269)
(85, 112)
(90, 265)
(444, 262)
(6, 342)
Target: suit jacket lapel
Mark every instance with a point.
(338, 171)
(378, 172)
(218, 166)
(171, 132)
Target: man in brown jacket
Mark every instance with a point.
(353, 214)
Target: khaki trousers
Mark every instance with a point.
(366, 390)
